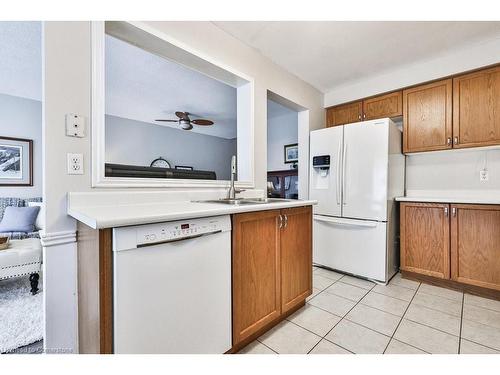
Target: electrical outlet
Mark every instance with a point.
(483, 175)
(75, 163)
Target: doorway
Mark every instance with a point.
(286, 146)
(21, 203)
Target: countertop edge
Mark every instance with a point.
(449, 200)
(96, 223)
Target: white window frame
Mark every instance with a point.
(245, 116)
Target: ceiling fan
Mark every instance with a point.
(186, 123)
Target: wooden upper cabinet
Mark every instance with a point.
(427, 117)
(476, 108)
(425, 241)
(388, 105)
(344, 114)
(296, 257)
(475, 245)
(256, 272)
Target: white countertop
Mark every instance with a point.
(463, 200)
(110, 216)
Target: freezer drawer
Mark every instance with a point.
(353, 246)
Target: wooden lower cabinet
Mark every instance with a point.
(272, 267)
(475, 245)
(296, 257)
(457, 243)
(256, 272)
(425, 239)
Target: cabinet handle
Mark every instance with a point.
(446, 211)
(286, 221)
(456, 140)
(281, 221)
(454, 211)
(448, 141)
(359, 116)
(364, 116)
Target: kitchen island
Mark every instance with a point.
(271, 257)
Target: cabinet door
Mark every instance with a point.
(388, 105)
(425, 241)
(427, 117)
(475, 245)
(344, 114)
(296, 256)
(476, 109)
(256, 272)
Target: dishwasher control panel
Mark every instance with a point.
(182, 229)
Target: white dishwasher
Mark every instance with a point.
(172, 287)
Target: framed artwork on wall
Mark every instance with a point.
(291, 153)
(16, 162)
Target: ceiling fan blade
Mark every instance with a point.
(203, 122)
(164, 120)
(182, 115)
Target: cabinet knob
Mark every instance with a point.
(456, 140)
(281, 221)
(446, 211)
(448, 141)
(286, 221)
(454, 211)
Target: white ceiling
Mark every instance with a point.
(331, 53)
(21, 59)
(142, 86)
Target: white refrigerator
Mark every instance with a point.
(356, 171)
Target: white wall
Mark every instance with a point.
(66, 89)
(453, 173)
(467, 58)
(22, 118)
(139, 143)
(282, 129)
(67, 58)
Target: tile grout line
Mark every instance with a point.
(402, 317)
(432, 308)
(271, 349)
(486, 346)
(343, 317)
(461, 323)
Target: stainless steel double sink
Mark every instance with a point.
(243, 201)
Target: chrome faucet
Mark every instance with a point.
(231, 193)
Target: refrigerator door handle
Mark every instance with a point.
(346, 222)
(344, 190)
(338, 172)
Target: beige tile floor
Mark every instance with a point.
(348, 315)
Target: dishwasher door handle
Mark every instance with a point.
(178, 239)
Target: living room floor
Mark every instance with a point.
(348, 315)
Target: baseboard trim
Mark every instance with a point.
(451, 284)
(57, 238)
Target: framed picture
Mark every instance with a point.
(184, 167)
(16, 162)
(292, 153)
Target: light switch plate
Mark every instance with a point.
(75, 125)
(75, 163)
(483, 175)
